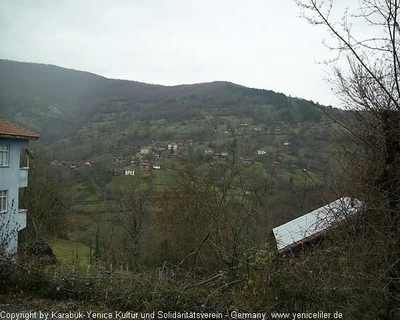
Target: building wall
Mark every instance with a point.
(11, 179)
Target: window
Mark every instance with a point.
(3, 201)
(4, 155)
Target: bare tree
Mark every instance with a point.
(130, 212)
(366, 79)
(45, 198)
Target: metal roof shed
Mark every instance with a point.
(311, 225)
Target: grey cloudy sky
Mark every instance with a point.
(255, 43)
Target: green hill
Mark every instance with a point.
(56, 102)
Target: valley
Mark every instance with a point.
(238, 159)
(127, 177)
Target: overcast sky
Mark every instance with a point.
(255, 43)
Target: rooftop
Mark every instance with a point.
(11, 130)
(313, 224)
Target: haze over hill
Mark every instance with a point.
(55, 101)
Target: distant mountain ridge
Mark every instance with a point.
(55, 101)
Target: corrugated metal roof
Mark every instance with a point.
(310, 225)
(8, 129)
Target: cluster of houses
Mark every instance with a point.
(123, 161)
(155, 151)
(72, 164)
(215, 155)
(289, 237)
(173, 146)
(287, 144)
(174, 150)
(274, 158)
(143, 166)
(278, 128)
(126, 164)
(244, 125)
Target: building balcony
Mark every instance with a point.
(20, 219)
(23, 177)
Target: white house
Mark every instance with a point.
(172, 146)
(13, 138)
(129, 172)
(315, 223)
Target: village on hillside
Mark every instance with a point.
(270, 145)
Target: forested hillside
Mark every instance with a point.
(95, 129)
(55, 101)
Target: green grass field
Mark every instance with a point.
(70, 252)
